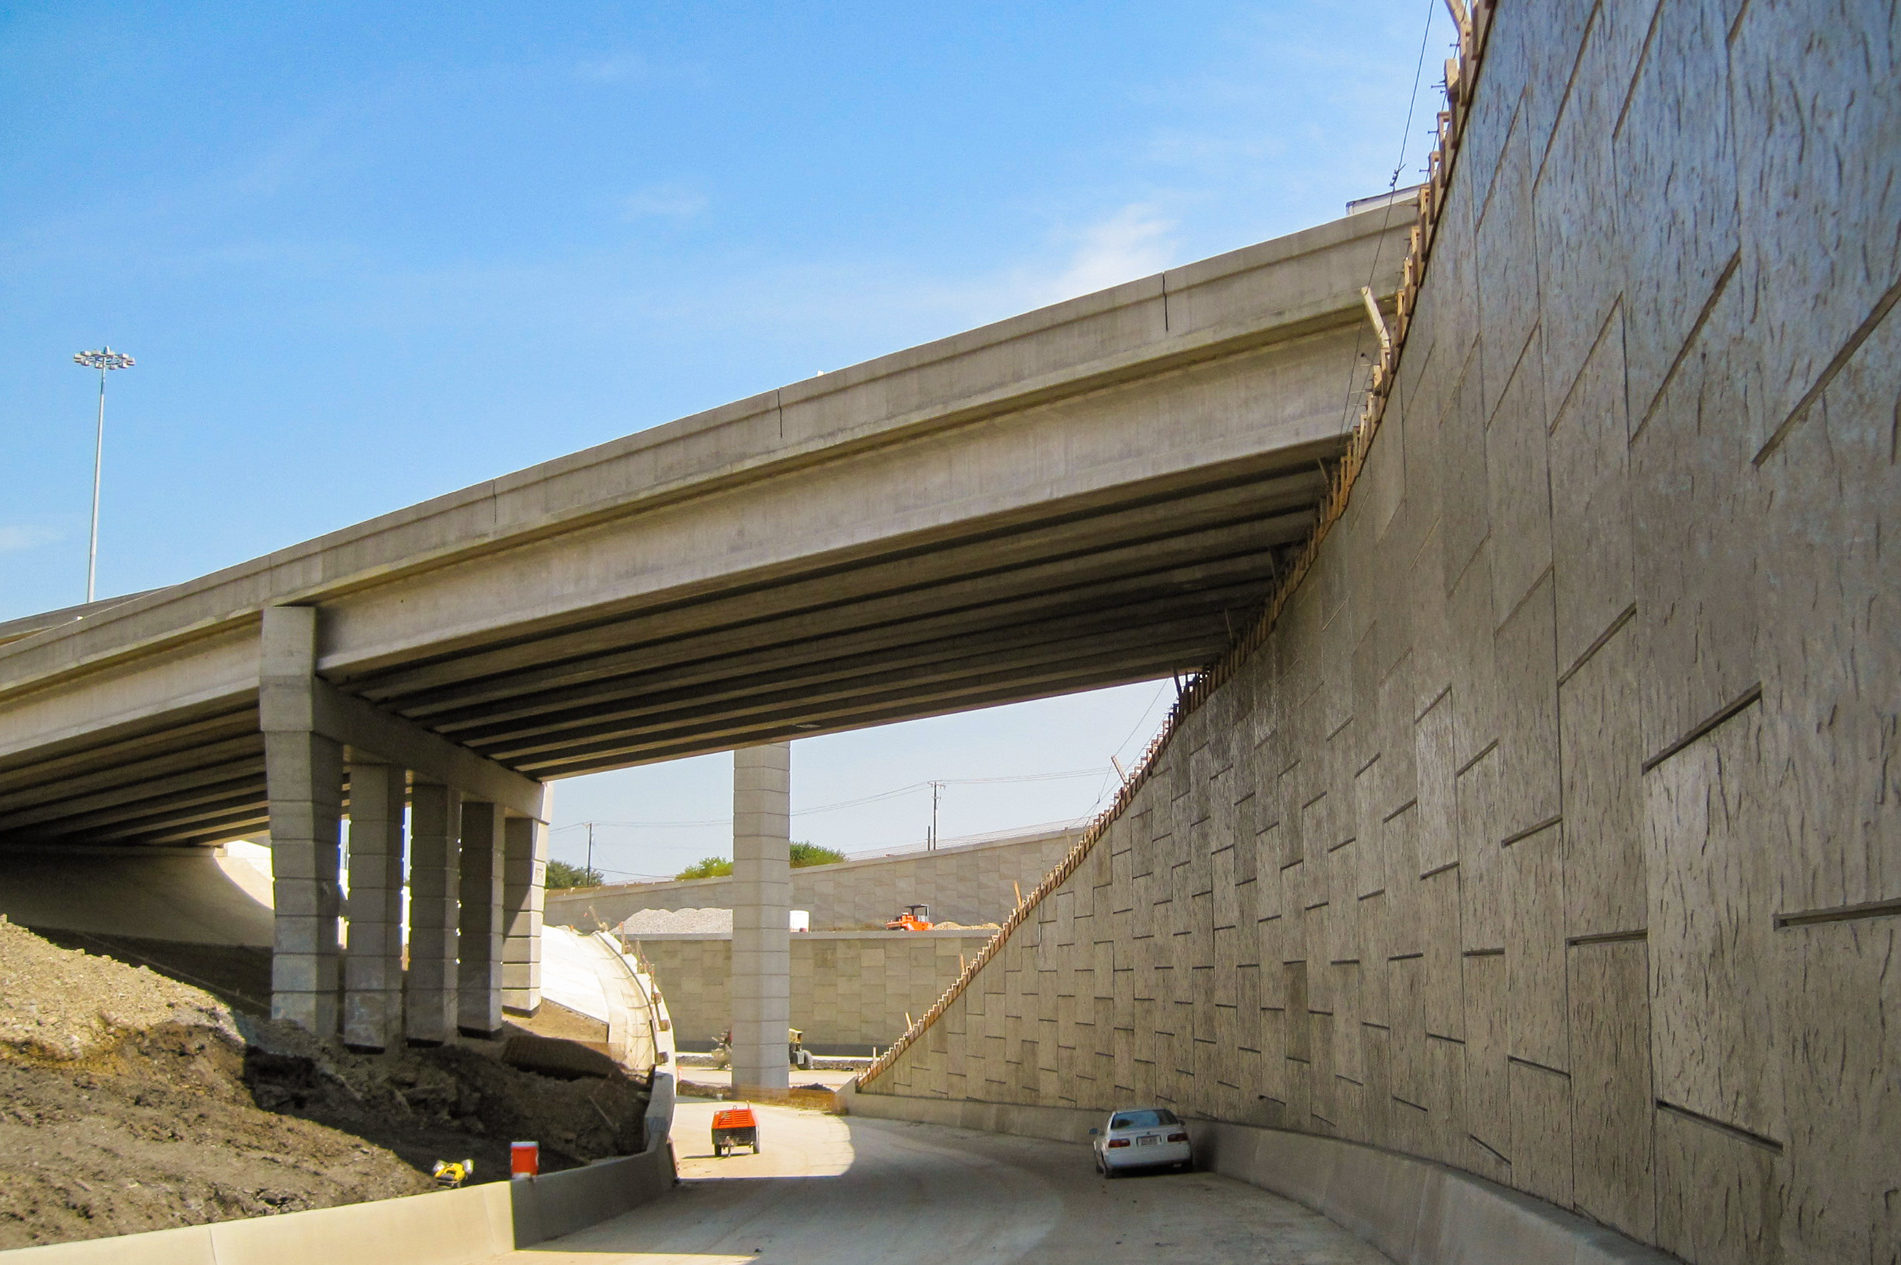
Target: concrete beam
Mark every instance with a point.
(364, 727)
(291, 697)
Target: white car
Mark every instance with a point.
(1141, 1137)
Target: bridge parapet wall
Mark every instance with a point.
(1549, 833)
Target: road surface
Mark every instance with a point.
(826, 1190)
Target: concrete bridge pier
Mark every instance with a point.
(304, 771)
(762, 904)
(479, 936)
(477, 862)
(306, 836)
(373, 959)
(524, 880)
(430, 1004)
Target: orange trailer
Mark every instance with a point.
(734, 1127)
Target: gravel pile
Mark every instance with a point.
(660, 922)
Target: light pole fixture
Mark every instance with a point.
(103, 360)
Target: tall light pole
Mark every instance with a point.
(103, 360)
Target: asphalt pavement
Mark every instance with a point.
(829, 1190)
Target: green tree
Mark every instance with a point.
(561, 874)
(803, 854)
(707, 867)
(812, 854)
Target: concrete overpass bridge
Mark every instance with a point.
(1097, 492)
(1546, 833)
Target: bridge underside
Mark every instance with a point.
(1076, 596)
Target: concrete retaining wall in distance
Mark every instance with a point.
(970, 883)
(1415, 1211)
(850, 990)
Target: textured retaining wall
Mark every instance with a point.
(1555, 832)
(850, 990)
(969, 884)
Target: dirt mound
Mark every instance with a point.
(452, 1102)
(132, 1102)
(62, 1006)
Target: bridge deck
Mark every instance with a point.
(1090, 494)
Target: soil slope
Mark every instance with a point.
(130, 1101)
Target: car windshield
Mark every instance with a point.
(1142, 1119)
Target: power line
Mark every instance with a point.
(878, 797)
(1392, 187)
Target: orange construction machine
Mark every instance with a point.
(911, 918)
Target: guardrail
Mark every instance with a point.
(446, 1227)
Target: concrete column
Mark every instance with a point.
(524, 882)
(762, 905)
(304, 776)
(373, 962)
(435, 828)
(479, 978)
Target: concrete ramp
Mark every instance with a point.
(188, 895)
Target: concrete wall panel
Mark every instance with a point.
(1676, 169)
(1611, 1097)
(1820, 176)
(1716, 960)
(1605, 890)
(1832, 637)
(1517, 466)
(1569, 858)
(1718, 1193)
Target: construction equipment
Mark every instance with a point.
(796, 1053)
(911, 918)
(734, 1127)
(450, 1174)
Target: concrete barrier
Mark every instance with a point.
(1415, 1211)
(449, 1227)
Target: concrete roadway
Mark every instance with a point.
(831, 1191)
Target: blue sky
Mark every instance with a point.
(383, 251)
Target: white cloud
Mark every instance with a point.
(1134, 242)
(15, 539)
(672, 200)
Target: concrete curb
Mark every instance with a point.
(1415, 1211)
(450, 1227)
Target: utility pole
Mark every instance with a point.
(930, 842)
(104, 359)
(590, 849)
